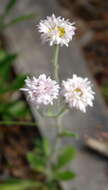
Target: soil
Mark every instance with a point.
(15, 142)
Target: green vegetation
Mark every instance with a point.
(7, 10)
(11, 108)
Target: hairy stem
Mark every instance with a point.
(57, 144)
(55, 62)
(59, 131)
(53, 115)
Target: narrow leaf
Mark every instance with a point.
(68, 134)
(9, 6)
(20, 19)
(65, 175)
(19, 184)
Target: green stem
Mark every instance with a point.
(58, 137)
(55, 62)
(59, 129)
(54, 115)
(17, 123)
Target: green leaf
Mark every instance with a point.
(18, 82)
(6, 61)
(7, 110)
(105, 90)
(65, 175)
(5, 72)
(68, 134)
(5, 57)
(65, 157)
(36, 162)
(5, 106)
(16, 184)
(16, 85)
(20, 19)
(14, 109)
(9, 6)
(7, 117)
(3, 54)
(18, 109)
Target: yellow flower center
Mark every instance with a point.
(79, 91)
(60, 30)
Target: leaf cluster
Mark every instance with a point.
(10, 106)
(18, 184)
(40, 160)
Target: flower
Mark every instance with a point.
(41, 90)
(56, 30)
(78, 92)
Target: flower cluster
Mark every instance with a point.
(56, 30)
(76, 91)
(42, 90)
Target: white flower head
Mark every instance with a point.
(56, 30)
(78, 93)
(42, 90)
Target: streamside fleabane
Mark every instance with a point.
(42, 90)
(56, 30)
(78, 92)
